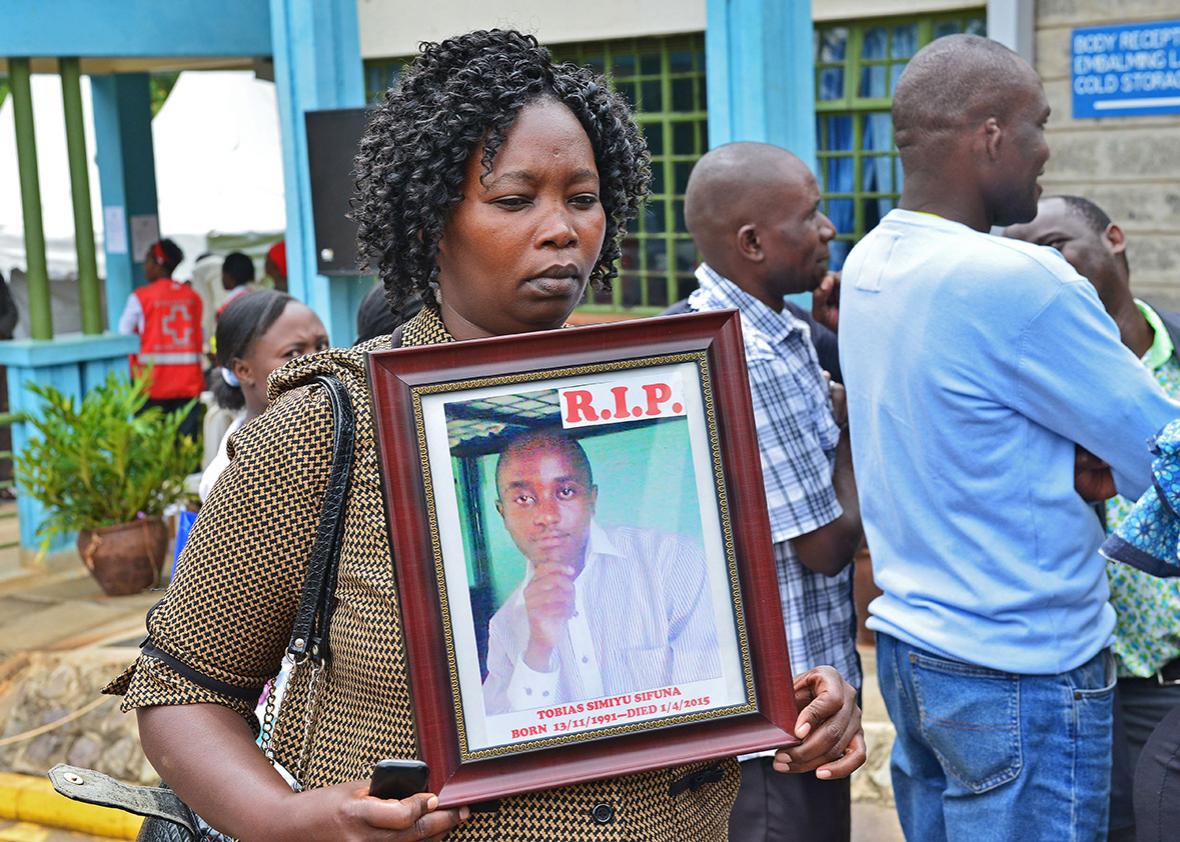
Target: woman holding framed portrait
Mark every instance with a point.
(497, 185)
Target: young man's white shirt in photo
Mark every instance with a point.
(643, 618)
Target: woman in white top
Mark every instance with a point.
(256, 334)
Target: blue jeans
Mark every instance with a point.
(984, 755)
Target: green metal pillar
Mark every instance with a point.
(40, 315)
(88, 298)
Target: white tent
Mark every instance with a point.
(219, 165)
(57, 209)
(218, 172)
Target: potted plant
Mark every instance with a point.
(106, 468)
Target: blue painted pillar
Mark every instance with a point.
(760, 73)
(127, 178)
(317, 59)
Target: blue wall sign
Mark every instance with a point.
(1126, 71)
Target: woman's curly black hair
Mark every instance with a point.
(456, 94)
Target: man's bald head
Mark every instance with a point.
(952, 85)
(969, 121)
(753, 212)
(736, 184)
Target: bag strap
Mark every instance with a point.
(309, 634)
(91, 787)
(310, 630)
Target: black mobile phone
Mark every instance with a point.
(398, 779)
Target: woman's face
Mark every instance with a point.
(518, 249)
(297, 331)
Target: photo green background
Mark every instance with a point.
(645, 479)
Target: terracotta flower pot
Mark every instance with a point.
(125, 558)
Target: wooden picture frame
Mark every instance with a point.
(680, 412)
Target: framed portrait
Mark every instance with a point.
(579, 530)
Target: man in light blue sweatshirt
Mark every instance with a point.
(976, 366)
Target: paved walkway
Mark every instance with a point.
(65, 610)
(873, 823)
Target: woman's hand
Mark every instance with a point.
(208, 756)
(829, 726)
(347, 812)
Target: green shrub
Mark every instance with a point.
(103, 461)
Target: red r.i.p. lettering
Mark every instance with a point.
(657, 393)
(621, 409)
(579, 402)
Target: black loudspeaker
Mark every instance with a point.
(332, 140)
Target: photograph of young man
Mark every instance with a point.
(601, 611)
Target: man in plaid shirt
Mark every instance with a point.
(753, 210)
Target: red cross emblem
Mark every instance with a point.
(179, 334)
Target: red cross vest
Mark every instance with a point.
(171, 339)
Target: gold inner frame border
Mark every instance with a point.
(700, 358)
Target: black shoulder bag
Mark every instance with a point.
(169, 819)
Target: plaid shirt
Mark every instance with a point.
(797, 437)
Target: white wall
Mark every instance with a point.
(1130, 166)
(853, 9)
(394, 27)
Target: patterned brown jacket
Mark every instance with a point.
(228, 613)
